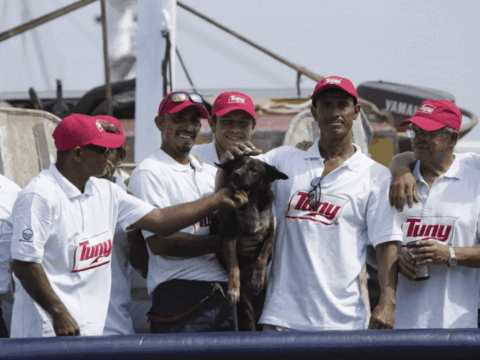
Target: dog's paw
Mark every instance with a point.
(258, 281)
(233, 297)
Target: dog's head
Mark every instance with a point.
(250, 174)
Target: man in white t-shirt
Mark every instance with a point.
(63, 224)
(186, 281)
(442, 222)
(8, 194)
(332, 206)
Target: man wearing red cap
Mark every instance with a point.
(63, 223)
(185, 278)
(443, 224)
(233, 120)
(332, 206)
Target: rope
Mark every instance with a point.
(185, 314)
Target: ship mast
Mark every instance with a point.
(156, 43)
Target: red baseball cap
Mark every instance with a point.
(172, 107)
(79, 130)
(335, 82)
(436, 114)
(233, 100)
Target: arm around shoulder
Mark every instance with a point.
(403, 182)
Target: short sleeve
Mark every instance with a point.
(470, 159)
(32, 219)
(150, 188)
(275, 157)
(130, 209)
(382, 224)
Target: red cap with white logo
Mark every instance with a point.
(79, 130)
(436, 114)
(111, 120)
(229, 101)
(335, 82)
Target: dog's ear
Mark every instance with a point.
(227, 167)
(272, 174)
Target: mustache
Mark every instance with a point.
(336, 119)
(186, 132)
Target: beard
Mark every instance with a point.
(185, 148)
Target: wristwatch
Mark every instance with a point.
(452, 261)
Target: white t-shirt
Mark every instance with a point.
(449, 213)
(70, 234)
(118, 320)
(318, 255)
(206, 152)
(473, 160)
(162, 181)
(8, 195)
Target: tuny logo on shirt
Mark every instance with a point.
(204, 223)
(427, 109)
(333, 81)
(429, 228)
(207, 221)
(327, 213)
(236, 99)
(91, 254)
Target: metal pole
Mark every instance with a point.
(106, 60)
(43, 19)
(300, 69)
(185, 70)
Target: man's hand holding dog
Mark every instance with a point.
(226, 199)
(240, 149)
(248, 246)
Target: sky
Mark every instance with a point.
(429, 43)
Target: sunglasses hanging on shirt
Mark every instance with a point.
(315, 194)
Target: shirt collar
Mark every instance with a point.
(175, 165)
(70, 190)
(455, 171)
(354, 163)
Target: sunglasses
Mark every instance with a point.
(427, 135)
(180, 97)
(315, 194)
(98, 149)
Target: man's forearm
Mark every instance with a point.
(468, 256)
(184, 245)
(36, 284)
(387, 272)
(401, 161)
(167, 221)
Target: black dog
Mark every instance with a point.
(253, 219)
